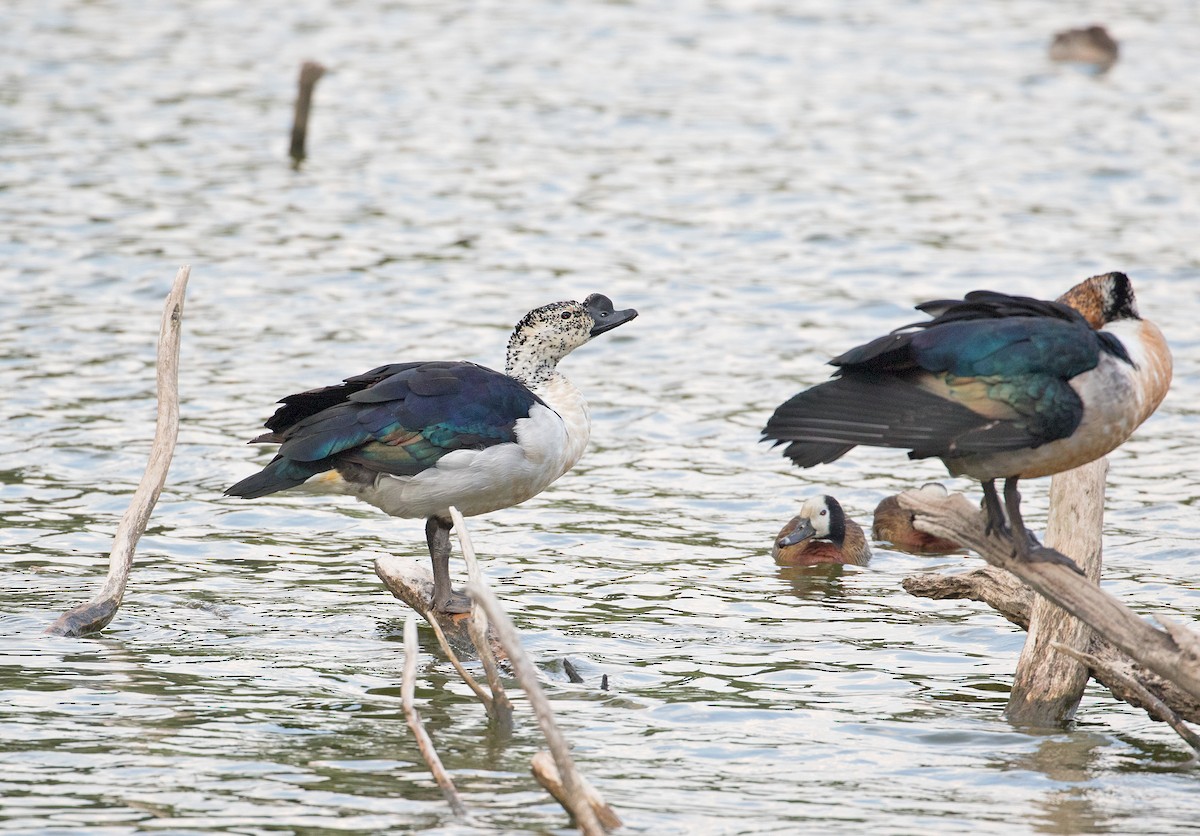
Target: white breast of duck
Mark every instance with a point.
(1117, 398)
(550, 441)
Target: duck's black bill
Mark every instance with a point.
(600, 307)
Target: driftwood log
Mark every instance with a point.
(1166, 662)
(95, 615)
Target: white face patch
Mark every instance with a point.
(816, 511)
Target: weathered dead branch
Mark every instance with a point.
(1155, 707)
(424, 743)
(547, 775)
(411, 581)
(1004, 592)
(575, 796)
(95, 615)
(1165, 662)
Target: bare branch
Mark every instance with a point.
(424, 744)
(573, 786)
(956, 518)
(95, 615)
(480, 691)
(477, 625)
(1156, 707)
(547, 775)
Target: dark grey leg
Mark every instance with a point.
(991, 505)
(1026, 545)
(445, 599)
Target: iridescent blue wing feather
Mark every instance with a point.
(986, 374)
(398, 419)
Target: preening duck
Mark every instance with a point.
(821, 533)
(996, 386)
(412, 439)
(893, 524)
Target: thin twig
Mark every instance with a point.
(1153, 705)
(573, 785)
(477, 626)
(424, 744)
(95, 615)
(480, 691)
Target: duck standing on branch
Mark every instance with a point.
(412, 439)
(996, 386)
(821, 533)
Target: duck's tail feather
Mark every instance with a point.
(825, 422)
(279, 475)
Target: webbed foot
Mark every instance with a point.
(455, 602)
(1038, 553)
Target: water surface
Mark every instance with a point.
(769, 184)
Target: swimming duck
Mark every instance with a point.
(1091, 45)
(996, 386)
(892, 524)
(821, 533)
(412, 439)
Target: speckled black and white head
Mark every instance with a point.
(821, 518)
(547, 334)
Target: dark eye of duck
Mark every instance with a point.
(568, 314)
(823, 513)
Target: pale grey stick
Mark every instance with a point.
(424, 744)
(573, 785)
(477, 626)
(480, 691)
(544, 769)
(95, 615)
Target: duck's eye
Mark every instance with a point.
(823, 513)
(567, 314)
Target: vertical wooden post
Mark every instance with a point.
(1048, 685)
(310, 73)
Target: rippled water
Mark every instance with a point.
(769, 184)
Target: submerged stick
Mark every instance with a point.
(574, 791)
(424, 743)
(310, 73)
(99, 611)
